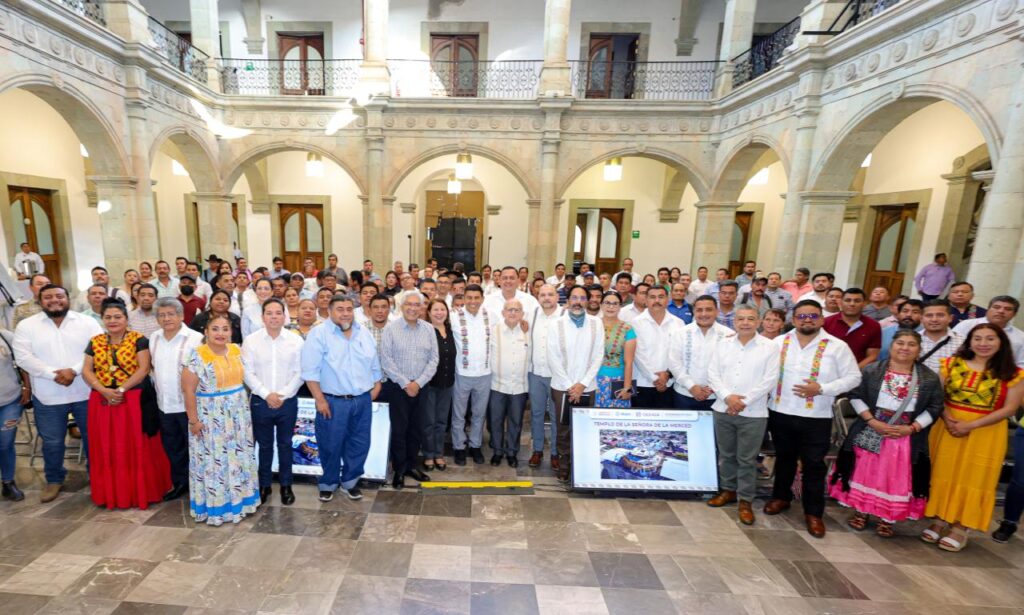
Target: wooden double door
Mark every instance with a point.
(302, 235)
(598, 239)
(890, 247)
(34, 221)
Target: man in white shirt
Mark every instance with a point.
(627, 267)
(556, 279)
(203, 288)
(472, 329)
(1001, 311)
(166, 286)
(575, 351)
(27, 263)
(700, 286)
(272, 359)
(820, 284)
(143, 318)
(654, 328)
(689, 356)
(628, 313)
(509, 280)
(744, 370)
(938, 341)
(50, 348)
(814, 367)
(510, 349)
(367, 292)
(539, 379)
(170, 348)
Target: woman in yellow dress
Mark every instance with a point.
(983, 388)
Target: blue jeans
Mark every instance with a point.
(1014, 505)
(541, 406)
(268, 425)
(10, 414)
(344, 440)
(52, 425)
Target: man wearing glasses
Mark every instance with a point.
(814, 367)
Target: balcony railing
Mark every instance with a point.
(855, 12)
(644, 80)
(178, 52)
(470, 79)
(765, 55)
(90, 10)
(259, 77)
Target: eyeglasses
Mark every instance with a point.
(611, 303)
(807, 316)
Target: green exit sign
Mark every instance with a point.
(636, 234)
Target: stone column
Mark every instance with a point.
(712, 242)
(997, 264)
(374, 77)
(253, 15)
(785, 261)
(544, 218)
(115, 201)
(821, 224)
(215, 223)
(556, 77)
(147, 233)
(127, 19)
(737, 34)
(376, 206)
(689, 13)
(206, 35)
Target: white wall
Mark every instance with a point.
(35, 140)
(914, 155)
(771, 195)
(515, 29)
(169, 194)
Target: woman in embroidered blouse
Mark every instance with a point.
(889, 479)
(619, 349)
(127, 464)
(983, 388)
(222, 458)
(437, 402)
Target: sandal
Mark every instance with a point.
(858, 521)
(885, 529)
(934, 532)
(955, 541)
(428, 465)
(441, 465)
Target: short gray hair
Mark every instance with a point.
(170, 302)
(746, 307)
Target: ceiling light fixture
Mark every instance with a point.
(314, 165)
(464, 166)
(454, 185)
(613, 170)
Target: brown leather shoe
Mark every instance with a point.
(746, 513)
(535, 459)
(815, 526)
(774, 507)
(49, 492)
(554, 462)
(723, 498)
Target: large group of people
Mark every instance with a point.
(174, 379)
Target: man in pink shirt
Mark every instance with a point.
(800, 285)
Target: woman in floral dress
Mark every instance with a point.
(222, 458)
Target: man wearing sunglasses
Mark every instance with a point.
(814, 367)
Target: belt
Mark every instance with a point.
(345, 396)
(221, 393)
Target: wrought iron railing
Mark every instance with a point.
(90, 10)
(470, 79)
(644, 80)
(259, 77)
(855, 12)
(764, 55)
(178, 52)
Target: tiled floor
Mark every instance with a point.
(550, 552)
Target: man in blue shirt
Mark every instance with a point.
(678, 306)
(342, 370)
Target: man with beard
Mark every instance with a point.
(909, 317)
(594, 295)
(143, 318)
(820, 284)
(49, 347)
(814, 367)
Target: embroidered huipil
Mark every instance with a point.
(690, 353)
(510, 359)
(472, 343)
(826, 360)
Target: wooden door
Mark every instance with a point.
(35, 222)
(580, 239)
(740, 242)
(200, 256)
(454, 60)
(302, 235)
(302, 64)
(609, 238)
(599, 66)
(890, 247)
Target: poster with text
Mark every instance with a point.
(306, 455)
(643, 450)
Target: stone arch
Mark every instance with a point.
(238, 166)
(92, 127)
(735, 171)
(834, 171)
(454, 148)
(197, 158)
(681, 164)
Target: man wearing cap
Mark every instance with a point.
(191, 302)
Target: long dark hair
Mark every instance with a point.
(219, 291)
(1001, 364)
(447, 318)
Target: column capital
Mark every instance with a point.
(985, 177)
(827, 198)
(213, 197)
(716, 205)
(260, 206)
(669, 214)
(254, 45)
(493, 210)
(535, 203)
(408, 208)
(385, 199)
(114, 182)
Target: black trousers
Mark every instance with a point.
(806, 440)
(174, 436)
(650, 397)
(406, 425)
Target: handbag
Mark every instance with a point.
(869, 439)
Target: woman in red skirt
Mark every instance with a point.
(127, 464)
